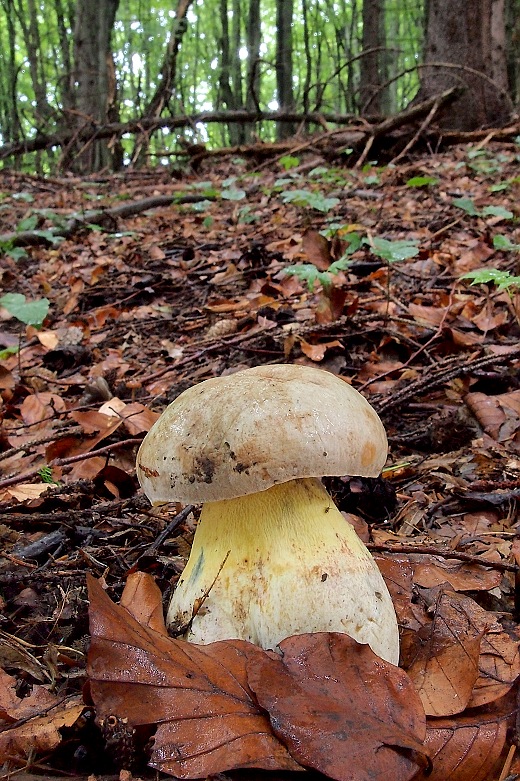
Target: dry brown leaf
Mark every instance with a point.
(208, 720)
(444, 669)
(143, 599)
(430, 571)
(340, 709)
(469, 747)
(24, 491)
(317, 249)
(40, 406)
(498, 415)
(42, 715)
(316, 352)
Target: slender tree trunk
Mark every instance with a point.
(92, 54)
(284, 64)
(459, 33)
(253, 38)
(513, 47)
(372, 75)
(65, 84)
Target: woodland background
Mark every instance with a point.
(193, 188)
(95, 68)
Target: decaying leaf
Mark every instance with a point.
(470, 746)
(41, 715)
(198, 695)
(329, 699)
(340, 709)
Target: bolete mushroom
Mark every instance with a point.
(272, 556)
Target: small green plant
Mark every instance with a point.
(45, 475)
(310, 200)
(503, 243)
(467, 205)
(502, 280)
(27, 312)
(389, 251)
(421, 181)
(289, 161)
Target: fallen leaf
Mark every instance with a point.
(317, 249)
(470, 746)
(340, 709)
(208, 719)
(41, 714)
(445, 667)
(316, 352)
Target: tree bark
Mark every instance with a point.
(92, 54)
(459, 52)
(284, 64)
(372, 76)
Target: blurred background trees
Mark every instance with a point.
(69, 68)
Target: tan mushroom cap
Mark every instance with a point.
(243, 433)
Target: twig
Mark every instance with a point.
(431, 550)
(67, 461)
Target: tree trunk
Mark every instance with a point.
(460, 33)
(253, 36)
(372, 76)
(284, 64)
(92, 55)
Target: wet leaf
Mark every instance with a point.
(340, 709)
(199, 696)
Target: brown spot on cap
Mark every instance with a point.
(368, 453)
(148, 472)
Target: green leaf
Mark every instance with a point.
(8, 351)
(393, 251)
(308, 273)
(502, 279)
(28, 312)
(467, 205)
(421, 181)
(16, 253)
(233, 195)
(497, 211)
(289, 161)
(503, 243)
(28, 223)
(309, 199)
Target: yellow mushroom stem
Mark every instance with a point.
(278, 563)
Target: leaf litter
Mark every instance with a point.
(175, 295)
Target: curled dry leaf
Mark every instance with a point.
(465, 658)
(340, 709)
(41, 716)
(208, 719)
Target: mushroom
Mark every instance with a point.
(272, 556)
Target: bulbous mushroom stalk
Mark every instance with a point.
(272, 556)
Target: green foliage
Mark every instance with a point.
(8, 351)
(309, 200)
(289, 161)
(467, 205)
(503, 280)
(45, 475)
(421, 181)
(389, 251)
(393, 251)
(28, 312)
(233, 194)
(501, 242)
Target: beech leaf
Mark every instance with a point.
(340, 709)
(199, 696)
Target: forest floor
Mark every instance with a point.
(145, 305)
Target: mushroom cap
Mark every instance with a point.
(243, 433)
